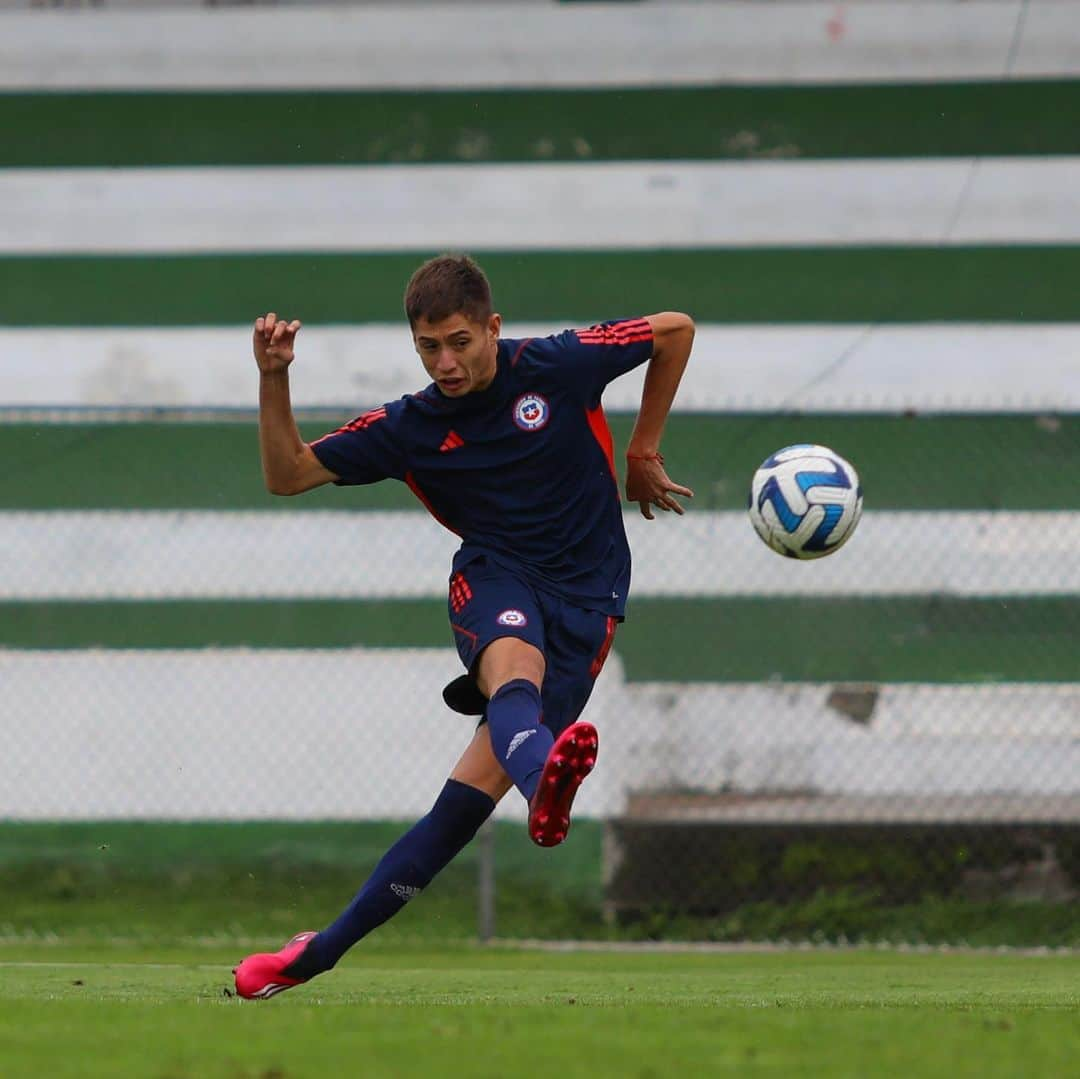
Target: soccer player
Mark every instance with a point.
(508, 447)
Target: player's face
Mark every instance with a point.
(458, 354)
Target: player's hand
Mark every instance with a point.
(648, 484)
(273, 341)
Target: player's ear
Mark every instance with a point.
(495, 325)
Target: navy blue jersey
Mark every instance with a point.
(523, 470)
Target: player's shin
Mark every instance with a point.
(519, 739)
(404, 871)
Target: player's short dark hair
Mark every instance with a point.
(445, 286)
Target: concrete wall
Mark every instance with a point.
(565, 45)
(357, 733)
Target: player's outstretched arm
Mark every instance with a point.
(289, 465)
(647, 482)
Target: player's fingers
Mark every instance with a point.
(646, 510)
(680, 490)
(260, 324)
(295, 325)
(271, 318)
(280, 330)
(666, 502)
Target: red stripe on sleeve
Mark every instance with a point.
(629, 332)
(359, 424)
(612, 340)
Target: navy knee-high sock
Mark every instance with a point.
(404, 871)
(520, 740)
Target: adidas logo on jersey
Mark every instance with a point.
(405, 891)
(516, 741)
(452, 441)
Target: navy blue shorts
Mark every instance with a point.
(488, 602)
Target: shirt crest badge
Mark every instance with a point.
(531, 412)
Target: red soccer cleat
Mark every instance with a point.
(261, 976)
(571, 759)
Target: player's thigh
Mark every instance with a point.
(578, 642)
(498, 625)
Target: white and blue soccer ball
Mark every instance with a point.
(805, 501)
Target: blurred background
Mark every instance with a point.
(218, 707)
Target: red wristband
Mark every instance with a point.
(645, 457)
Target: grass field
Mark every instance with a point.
(117, 939)
(461, 1011)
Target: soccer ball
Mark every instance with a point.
(805, 501)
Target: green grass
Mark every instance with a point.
(412, 127)
(466, 1012)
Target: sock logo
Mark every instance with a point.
(405, 892)
(516, 741)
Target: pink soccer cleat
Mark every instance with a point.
(262, 976)
(571, 759)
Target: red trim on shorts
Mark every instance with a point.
(460, 592)
(601, 656)
(474, 637)
(410, 479)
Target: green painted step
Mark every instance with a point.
(115, 852)
(768, 285)
(939, 462)
(308, 128)
(888, 639)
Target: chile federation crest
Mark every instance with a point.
(531, 412)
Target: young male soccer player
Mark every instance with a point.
(508, 447)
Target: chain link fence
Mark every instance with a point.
(785, 748)
(897, 721)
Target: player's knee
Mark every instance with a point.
(507, 660)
